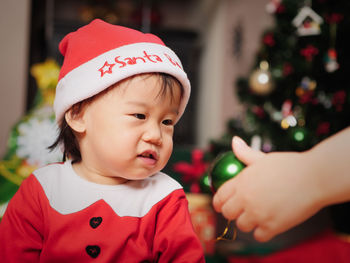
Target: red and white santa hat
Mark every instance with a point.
(99, 55)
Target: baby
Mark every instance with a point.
(119, 95)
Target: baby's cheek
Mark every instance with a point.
(167, 154)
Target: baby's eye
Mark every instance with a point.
(168, 122)
(139, 116)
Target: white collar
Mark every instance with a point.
(68, 193)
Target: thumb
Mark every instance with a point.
(244, 153)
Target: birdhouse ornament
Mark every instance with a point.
(307, 22)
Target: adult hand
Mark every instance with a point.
(272, 194)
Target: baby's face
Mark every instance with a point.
(129, 131)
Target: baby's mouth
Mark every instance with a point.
(149, 155)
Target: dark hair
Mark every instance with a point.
(66, 136)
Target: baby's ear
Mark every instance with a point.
(75, 121)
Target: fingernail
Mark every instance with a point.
(238, 142)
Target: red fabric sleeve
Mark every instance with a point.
(22, 225)
(175, 239)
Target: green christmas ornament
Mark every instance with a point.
(204, 183)
(224, 167)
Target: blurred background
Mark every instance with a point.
(215, 39)
(275, 72)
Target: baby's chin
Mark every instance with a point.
(139, 177)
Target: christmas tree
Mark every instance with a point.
(298, 91)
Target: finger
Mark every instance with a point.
(263, 234)
(219, 199)
(226, 191)
(232, 208)
(244, 153)
(217, 202)
(245, 222)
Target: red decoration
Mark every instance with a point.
(307, 97)
(334, 18)
(192, 172)
(339, 99)
(195, 188)
(269, 40)
(259, 111)
(287, 69)
(280, 9)
(309, 52)
(323, 128)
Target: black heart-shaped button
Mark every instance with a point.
(95, 221)
(93, 251)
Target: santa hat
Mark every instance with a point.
(99, 55)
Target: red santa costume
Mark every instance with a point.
(57, 216)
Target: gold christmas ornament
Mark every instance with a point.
(260, 81)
